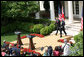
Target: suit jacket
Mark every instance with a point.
(57, 23)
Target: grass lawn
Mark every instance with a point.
(10, 37)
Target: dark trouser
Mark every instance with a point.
(61, 29)
(57, 30)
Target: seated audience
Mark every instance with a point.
(3, 52)
(4, 44)
(18, 51)
(13, 53)
(56, 52)
(46, 51)
(15, 48)
(10, 48)
(22, 51)
(50, 51)
(7, 53)
(27, 54)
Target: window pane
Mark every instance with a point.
(73, 6)
(77, 7)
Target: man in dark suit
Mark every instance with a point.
(57, 24)
(60, 26)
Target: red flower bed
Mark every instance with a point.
(25, 49)
(7, 42)
(39, 35)
(61, 40)
(10, 43)
(32, 34)
(23, 37)
(34, 51)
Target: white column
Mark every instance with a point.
(37, 15)
(41, 6)
(66, 8)
(80, 8)
(52, 13)
(70, 12)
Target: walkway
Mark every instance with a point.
(49, 40)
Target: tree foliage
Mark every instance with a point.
(18, 8)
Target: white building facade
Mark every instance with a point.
(73, 9)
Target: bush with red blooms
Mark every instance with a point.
(39, 35)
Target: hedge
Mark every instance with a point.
(47, 29)
(17, 26)
(37, 28)
(8, 28)
(52, 26)
(25, 25)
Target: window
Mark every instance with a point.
(77, 7)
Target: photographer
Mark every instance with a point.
(66, 48)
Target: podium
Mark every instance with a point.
(31, 44)
(18, 38)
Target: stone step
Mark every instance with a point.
(73, 33)
(72, 26)
(72, 29)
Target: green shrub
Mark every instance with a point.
(77, 49)
(50, 29)
(26, 26)
(52, 26)
(3, 30)
(8, 28)
(42, 21)
(45, 30)
(53, 22)
(76, 38)
(37, 28)
(79, 37)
